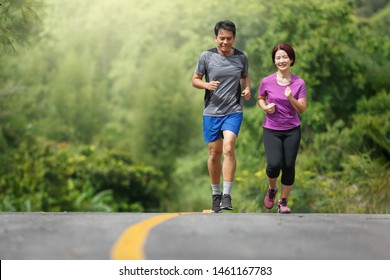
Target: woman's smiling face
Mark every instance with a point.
(282, 60)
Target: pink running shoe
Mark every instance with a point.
(283, 208)
(269, 198)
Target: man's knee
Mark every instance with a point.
(215, 155)
(228, 150)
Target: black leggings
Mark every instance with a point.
(281, 149)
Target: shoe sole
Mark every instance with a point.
(227, 208)
(216, 211)
(284, 212)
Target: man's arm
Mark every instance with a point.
(246, 85)
(197, 82)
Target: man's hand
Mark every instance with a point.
(213, 85)
(246, 94)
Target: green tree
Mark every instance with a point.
(19, 20)
(77, 97)
(335, 56)
(117, 74)
(352, 163)
(164, 118)
(367, 8)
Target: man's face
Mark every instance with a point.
(224, 41)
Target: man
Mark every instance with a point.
(226, 83)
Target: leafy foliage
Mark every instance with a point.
(57, 177)
(83, 86)
(18, 21)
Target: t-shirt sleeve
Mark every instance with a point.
(201, 66)
(244, 72)
(261, 89)
(302, 90)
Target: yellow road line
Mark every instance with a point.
(130, 245)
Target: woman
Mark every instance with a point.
(282, 95)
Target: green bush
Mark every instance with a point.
(57, 177)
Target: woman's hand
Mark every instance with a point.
(270, 108)
(288, 93)
(299, 105)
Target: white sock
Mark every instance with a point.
(227, 187)
(216, 189)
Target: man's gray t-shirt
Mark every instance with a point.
(228, 70)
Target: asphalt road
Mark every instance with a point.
(197, 236)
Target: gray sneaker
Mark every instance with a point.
(216, 205)
(226, 202)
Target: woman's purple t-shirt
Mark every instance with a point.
(285, 117)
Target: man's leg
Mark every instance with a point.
(214, 166)
(214, 163)
(229, 156)
(228, 168)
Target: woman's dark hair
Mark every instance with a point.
(287, 48)
(225, 24)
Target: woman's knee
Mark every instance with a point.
(273, 169)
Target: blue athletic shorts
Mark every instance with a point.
(213, 126)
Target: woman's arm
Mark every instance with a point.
(269, 108)
(299, 105)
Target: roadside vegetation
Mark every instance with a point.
(97, 112)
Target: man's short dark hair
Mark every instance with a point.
(225, 24)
